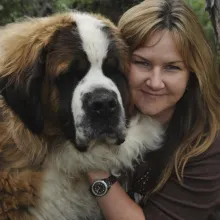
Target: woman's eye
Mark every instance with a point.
(141, 63)
(172, 67)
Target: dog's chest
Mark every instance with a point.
(64, 198)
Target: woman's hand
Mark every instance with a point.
(116, 204)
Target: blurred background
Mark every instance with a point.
(11, 10)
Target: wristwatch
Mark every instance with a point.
(101, 187)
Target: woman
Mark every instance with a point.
(173, 79)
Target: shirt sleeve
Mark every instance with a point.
(196, 198)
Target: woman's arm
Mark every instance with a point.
(196, 198)
(116, 204)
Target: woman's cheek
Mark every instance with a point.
(133, 77)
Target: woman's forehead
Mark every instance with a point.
(160, 43)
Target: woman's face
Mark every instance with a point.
(158, 76)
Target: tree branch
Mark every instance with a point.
(213, 7)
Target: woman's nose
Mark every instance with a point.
(155, 81)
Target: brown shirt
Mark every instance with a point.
(198, 198)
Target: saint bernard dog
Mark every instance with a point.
(64, 111)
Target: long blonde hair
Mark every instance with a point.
(197, 115)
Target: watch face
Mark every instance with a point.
(99, 188)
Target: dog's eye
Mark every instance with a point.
(77, 69)
(110, 64)
(80, 64)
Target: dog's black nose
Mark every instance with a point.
(102, 102)
(102, 105)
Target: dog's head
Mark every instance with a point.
(67, 70)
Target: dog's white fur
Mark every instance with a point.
(65, 193)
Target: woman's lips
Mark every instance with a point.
(151, 94)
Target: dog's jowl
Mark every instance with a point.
(64, 110)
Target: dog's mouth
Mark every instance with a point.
(109, 137)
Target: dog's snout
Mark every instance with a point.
(102, 103)
(104, 117)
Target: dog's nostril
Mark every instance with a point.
(97, 106)
(104, 105)
(112, 105)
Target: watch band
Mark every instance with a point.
(110, 180)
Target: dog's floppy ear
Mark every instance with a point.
(22, 92)
(23, 53)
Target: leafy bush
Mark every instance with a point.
(198, 7)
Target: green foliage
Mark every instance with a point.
(198, 7)
(10, 10)
(62, 5)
